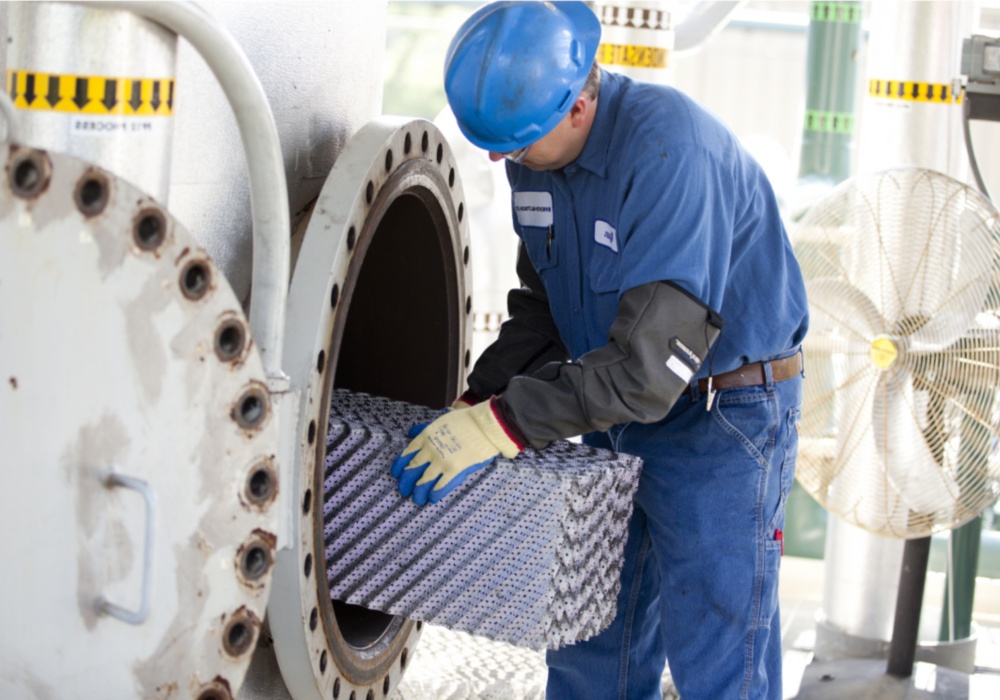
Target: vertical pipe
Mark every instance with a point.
(903, 647)
(97, 84)
(960, 586)
(637, 39)
(832, 73)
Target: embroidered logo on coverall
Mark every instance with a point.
(605, 235)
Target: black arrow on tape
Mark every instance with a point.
(29, 89)
(170, 96)
(13, 85)
(156, 95)
(52, 97)
(136, 98)
(80, 96)
(110, 99)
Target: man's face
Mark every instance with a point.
(553, 151)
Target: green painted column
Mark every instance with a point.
(831, 85)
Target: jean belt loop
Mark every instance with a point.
(768, 375)
(695, 391)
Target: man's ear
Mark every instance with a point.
(580, 111)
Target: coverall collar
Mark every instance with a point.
(594, 156)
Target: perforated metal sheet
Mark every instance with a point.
(528, 551)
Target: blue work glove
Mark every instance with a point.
(446, 451)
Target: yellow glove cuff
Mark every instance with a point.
(486, 418)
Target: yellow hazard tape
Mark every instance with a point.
(911, 91)
(632, 56)
(91, 94)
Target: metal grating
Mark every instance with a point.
(526, 552)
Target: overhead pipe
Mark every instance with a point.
(703, 21)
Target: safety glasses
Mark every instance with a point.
(518, 155)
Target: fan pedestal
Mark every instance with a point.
(900, 678)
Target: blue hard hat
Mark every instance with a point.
(514, 69)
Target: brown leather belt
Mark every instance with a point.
(752, 375)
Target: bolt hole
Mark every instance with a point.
(256, 561)
(336, 688)
(468, 358)
(307, 567)
(369, 192)
(252, 409)
(420, 625)
(196, 278)
(402, 658)
(354, 695)
(150, 230)
(468, 305)
(370, 695)
(334, 296)
(385, 686)
(238, 637)
(214, 692)
(451, 177)
(29, 174)
(307, 502)
(313, 620)
(321, 361)
(424, 142)
(312, 432)
(351, 235)
(229, 340)
(260, 485)
(322, 662)
(461, 212)
(388, 160)
(407, 145)
(440, 153)
(91, 194)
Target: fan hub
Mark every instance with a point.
(883, 352)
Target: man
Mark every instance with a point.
(643, 226)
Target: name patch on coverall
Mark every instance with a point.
(533, 208)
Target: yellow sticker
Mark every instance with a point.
(91, 94)
(912, 91)
(632, 56)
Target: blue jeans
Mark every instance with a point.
(699, 585)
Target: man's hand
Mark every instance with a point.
(449, 449)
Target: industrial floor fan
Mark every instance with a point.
(900, 411)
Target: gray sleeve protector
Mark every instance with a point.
(657, 343)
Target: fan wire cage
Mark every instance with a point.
(900, 415)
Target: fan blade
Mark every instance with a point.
(839, 309)
(911, 431)
(836, 432)
(964, 284)
(926, 251)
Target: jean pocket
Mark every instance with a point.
(788, 453)
(749, 415)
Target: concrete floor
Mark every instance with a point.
(457, 666)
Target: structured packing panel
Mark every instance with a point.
(527, 551)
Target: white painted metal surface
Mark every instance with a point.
(125, 356)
